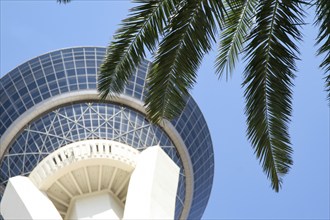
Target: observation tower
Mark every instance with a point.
(65, 152)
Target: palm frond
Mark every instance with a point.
(189, 36)
(138, 32)
(237, 25)
(323, 38)
(271, 56)
(63, 1)
(219, 10)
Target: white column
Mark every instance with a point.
(96, 206)
(153, 186)
(23, 200)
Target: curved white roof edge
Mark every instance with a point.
(63, 160)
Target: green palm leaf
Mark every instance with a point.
(237, 25)
(187, 29)
(189, 35)
(271, 56)
(139, 31)
(322, 19)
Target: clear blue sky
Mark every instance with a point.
(240, 190)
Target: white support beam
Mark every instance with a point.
(112, 178)
(153, 186)
(23, 200)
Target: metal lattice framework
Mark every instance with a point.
(83, 121)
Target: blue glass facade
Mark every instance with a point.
(75, 69)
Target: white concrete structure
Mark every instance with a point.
(23, 200)
(96, 206)
(153, 186)
(95, 179)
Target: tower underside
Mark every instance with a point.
(95, 179)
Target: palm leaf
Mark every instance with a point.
(271, 56)
(237, 25)
(189, 36)
(139, 31)
(323, 20)
(63, 1)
